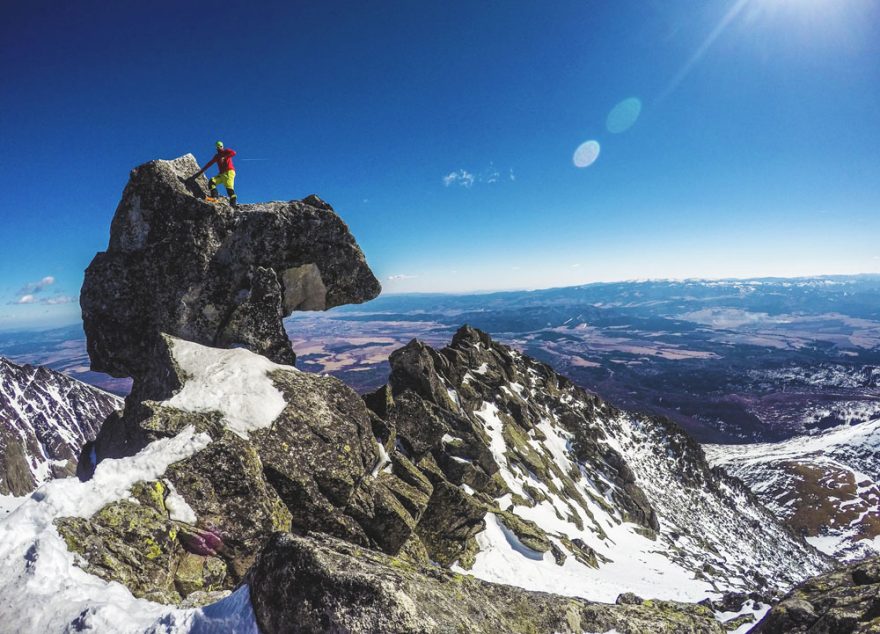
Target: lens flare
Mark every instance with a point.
(624, 115)
(586, 154)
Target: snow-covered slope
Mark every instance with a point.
(39, 570)
(45, 418)
(41, 588)
(826, 486)
(627, 502)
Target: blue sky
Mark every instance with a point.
(444, 133)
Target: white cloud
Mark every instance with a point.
(30, 293)
(30, 298)
(36, 287)
(401, 276)
(492, 175)
(466, 179)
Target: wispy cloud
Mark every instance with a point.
(466, 179)
(36, 287)
(459, 177)
(51, 300)
(401, 276)
(31, 293)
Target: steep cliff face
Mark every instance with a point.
(45, 420)
(212, 274)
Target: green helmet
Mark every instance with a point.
(219, 145)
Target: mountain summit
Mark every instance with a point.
(210, 273)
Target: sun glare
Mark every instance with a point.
(586, 154)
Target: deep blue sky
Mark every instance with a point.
(757, 151)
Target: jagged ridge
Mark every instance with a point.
(45, 419)
(568, 478)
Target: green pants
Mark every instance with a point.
(227, 179)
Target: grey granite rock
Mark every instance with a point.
(211, 273)
(315, 583)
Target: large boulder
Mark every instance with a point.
(314, 584)
(845, 601)
(211, 273)
(289, 450)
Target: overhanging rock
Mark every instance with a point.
(212, 274)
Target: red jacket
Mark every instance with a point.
(223, 159)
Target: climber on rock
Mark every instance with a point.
(226, 177)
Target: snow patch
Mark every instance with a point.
(234, 382)
(383, 463)
(178, 508)
(504, 559)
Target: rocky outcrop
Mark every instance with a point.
(503, 439)
(469, 450)
(45, 419)
(210, 273)
(845, 601)
(316, 584)
(311, 463)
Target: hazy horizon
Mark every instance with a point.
(69, 315)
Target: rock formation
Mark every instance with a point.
(316, 584)
(309, 462)
(210, 273)
(503, 438)
(845, 601)
(418, 475)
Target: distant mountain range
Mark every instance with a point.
(729, 360)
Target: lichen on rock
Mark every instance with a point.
(323, 584)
